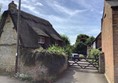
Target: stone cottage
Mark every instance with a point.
(34, 32)
(110, 39)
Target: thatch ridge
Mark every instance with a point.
(30, 28)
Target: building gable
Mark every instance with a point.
(8, 42)
(9, 35)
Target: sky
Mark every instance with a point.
(68, 17)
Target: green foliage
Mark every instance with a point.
(80, 48)
(68, 50)
(82, 38)
(50, 58)
(56, 49)
(81, 56)
(28, 57)
(94, 53)
(66, 45)
(24, 77)
(82, 42)
(87, 40)
(66, 40)
(90, 40)
(53, 61)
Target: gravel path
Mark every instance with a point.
(77, 75)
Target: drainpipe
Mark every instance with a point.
(18, 25)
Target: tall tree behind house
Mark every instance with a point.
(81, 43)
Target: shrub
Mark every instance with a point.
(94, 53)
(53, 58)
(81, 56)
(68, 50)
(56, 49)
(53, 61)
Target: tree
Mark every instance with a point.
(81, 48)
(90, 40)
(65, 39)
(82, 38)
(81, 43)
(66, 44)
(94, 53)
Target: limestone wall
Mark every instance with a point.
(8, 46)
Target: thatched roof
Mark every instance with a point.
(30, 27)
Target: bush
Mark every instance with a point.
(80, 48)
(81, 56)
(56, 49)
(68, 50)
(53, 58)
(94, 53)
(48, 64)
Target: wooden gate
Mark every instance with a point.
(85, 63)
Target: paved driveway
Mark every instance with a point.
(77, 75)
(73, 75)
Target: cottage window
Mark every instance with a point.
(41, 40)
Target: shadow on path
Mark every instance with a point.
(74, 74)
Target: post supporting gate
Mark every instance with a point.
(97, 63)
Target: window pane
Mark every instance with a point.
(41, 40)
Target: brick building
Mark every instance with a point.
(97, 42)
(110, 39)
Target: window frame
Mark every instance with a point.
(41, 40)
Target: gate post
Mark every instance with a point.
(101, 63)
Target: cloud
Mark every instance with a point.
(69, 17)
(24, 0)
(39, 4)
(4, 4)
(72, 38)
(63, 9)
(66, 10)
(83, 3)
(29, 7)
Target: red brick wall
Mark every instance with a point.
(115, 42)
(98, 41)
(107, 43)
